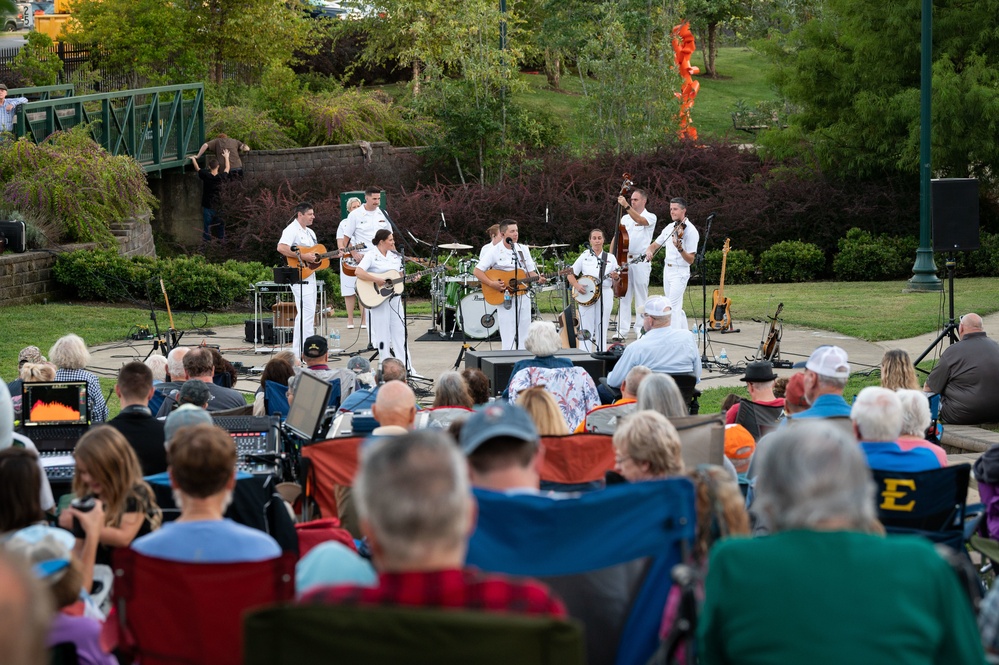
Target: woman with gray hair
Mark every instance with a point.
(915, 422)
(659, 392)
(543, 341)
(70, 355)
(827, 586)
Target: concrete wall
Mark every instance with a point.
(179, 215)
(27, 278)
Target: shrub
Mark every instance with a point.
(984, 261)
(103, 274)
(72, 183)
(36, 62)
(792, 261)
(197, 284)
(865, 257)
(739, 269)
(346, 117)
(255, 128)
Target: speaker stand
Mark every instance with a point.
(949, 330)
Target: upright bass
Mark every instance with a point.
(619, 245)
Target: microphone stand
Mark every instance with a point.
(301, 302)
(516, 297)
(600, 324)
(704, 289)
(435, 308)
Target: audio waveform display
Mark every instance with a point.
(53, 412)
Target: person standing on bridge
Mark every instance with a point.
(8, 107)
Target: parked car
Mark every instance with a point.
(326, 9)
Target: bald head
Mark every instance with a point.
(395, 405)
(970, 323)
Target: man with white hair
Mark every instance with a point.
(417, 513)
(967, 376)
(877, 424)
(663, 349)
(825, 376)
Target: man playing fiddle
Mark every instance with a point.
(680, 239)
(640, 225)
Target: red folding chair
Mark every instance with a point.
(327, 464)
(576, 461)
(167, 612)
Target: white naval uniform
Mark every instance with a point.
(386, 322)
(519, 314)
(305, 294)
(347, 283)
(588, 263)
(639, 239)
(676, 271)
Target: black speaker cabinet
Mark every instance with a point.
(955, 214)
(265, 331)
(498, 365)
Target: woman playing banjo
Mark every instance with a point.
(595, 299)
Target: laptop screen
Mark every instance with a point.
(308, 406)
(54, 403)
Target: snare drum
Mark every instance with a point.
(453, 293)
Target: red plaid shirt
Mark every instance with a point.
(467, 589)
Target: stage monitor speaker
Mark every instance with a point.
(498, 365)
(955, 214)
(265, 328)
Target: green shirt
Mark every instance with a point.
(834, 597)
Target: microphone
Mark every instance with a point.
(294, 248)
(508, 241)
(711, 216)
(443, 220)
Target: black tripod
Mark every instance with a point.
(949, 330)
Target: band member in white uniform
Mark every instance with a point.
(681, 248)
(298, 235)
(347, 282)
(494, 237)
(640, 225)
(591, 263)
(363, 223)
(513, 320)
(387, 322)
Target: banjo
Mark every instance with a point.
(590, 290)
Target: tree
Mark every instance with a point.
(711, 14)
(36, 62)
(855, 75)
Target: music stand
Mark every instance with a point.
(287, 275)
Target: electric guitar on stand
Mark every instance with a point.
(721, 315)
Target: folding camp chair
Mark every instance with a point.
(295, 635)
(168, 612)
(931, 504)
(327, 465)
(702, 439)
(688, 388)
(608, 554)
(276, 399)
(758, 419)
(576, 462)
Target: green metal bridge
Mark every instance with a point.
(158, 127)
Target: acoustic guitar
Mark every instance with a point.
(517, 283)
(771, 347)
(371, 295)
(721, 315)
(323, 256)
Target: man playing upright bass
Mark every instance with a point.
(640, 225)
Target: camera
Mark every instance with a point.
(84, 505)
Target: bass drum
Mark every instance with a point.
(476, 313)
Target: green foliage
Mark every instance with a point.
(193, 282)
(863, 257)
(352, 115)
(72, 183)
(984, 261)
(792, 261)
(36, 62)
(740, 268)
(251, 126)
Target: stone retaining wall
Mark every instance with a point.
(304, 162)
(27, 278)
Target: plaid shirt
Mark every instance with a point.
(467, 589)
(95, 397)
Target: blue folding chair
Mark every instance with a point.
(607, 553)
(276, 399)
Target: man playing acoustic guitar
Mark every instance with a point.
(298, 234)
(514, 315)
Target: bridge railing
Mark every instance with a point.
(157, 127)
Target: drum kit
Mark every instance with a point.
(458, 302)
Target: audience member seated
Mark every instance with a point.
(224, 373)
(604, 418)
(780, 386)
(316, 356)
(647, 447)
(393, 369)
(394, 410)
(659, 392)
(877, 422)
(502, 447)
(417, 513)
(20, 489)
(794, 395)
(195, 393)
(11, 439)
(50, 552)
(739, 448)
(29, 354)
(135, 421)
(544, 411)
(185, 415)
(825, 376)
(31, 373)
(721, 512)
(915, 422)
(157, 364)
(277, 370)
(897, 371)
(967, 376)
(71, 356)
(663, 349)
(332, 563)
(450, 389)
(177, 375)
(26, 608)
(890, 599)
(730, 400)
(759, 379)
(478, 385)
(544, 342)
(202, 473)
(108, 469)
(198, 366)
(987, 476)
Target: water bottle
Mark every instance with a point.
(335, 341)
(507, 301)
(723, 358)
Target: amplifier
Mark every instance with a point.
(256, 437)
(265, 331)
(498, 365)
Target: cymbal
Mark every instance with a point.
(456, 246)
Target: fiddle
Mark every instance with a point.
(619, 245)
